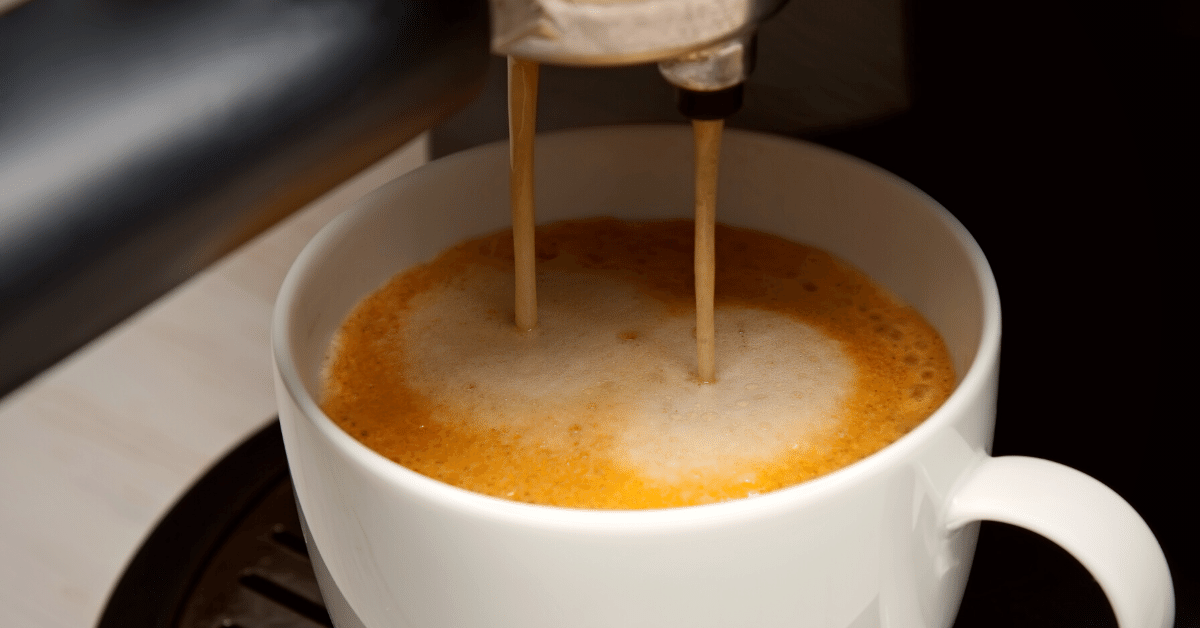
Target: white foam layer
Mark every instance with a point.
(608, 357)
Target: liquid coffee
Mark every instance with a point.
(600, 406)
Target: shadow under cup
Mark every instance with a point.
(846, 550)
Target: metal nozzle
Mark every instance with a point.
(714, 68)
(703, 47)
(625, 32)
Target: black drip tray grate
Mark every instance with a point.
(261, 575)
(231, 554)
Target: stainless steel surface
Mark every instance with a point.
(618, 32)
(716, 67)
(143, 140)
(699, 40)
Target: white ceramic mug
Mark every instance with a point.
(887, 541)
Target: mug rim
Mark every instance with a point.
(969, 387)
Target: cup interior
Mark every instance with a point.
(868, 217)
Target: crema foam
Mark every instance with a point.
(600, 406)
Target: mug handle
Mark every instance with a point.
(1084, 517)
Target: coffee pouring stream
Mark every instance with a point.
(705, 49)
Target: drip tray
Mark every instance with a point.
(231, 554)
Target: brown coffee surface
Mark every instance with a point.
(600, 405)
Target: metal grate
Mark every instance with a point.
(229, 554)
(261, 577)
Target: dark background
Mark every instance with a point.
(1062, 136)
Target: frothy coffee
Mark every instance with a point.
(600, 406)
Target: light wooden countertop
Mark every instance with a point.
(94, 451)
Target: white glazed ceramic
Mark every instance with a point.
(887, 541)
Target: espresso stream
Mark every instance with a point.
(600, 405)
(522, 127)
(707, 134)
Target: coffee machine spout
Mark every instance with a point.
(703, 47)
(594, 33)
